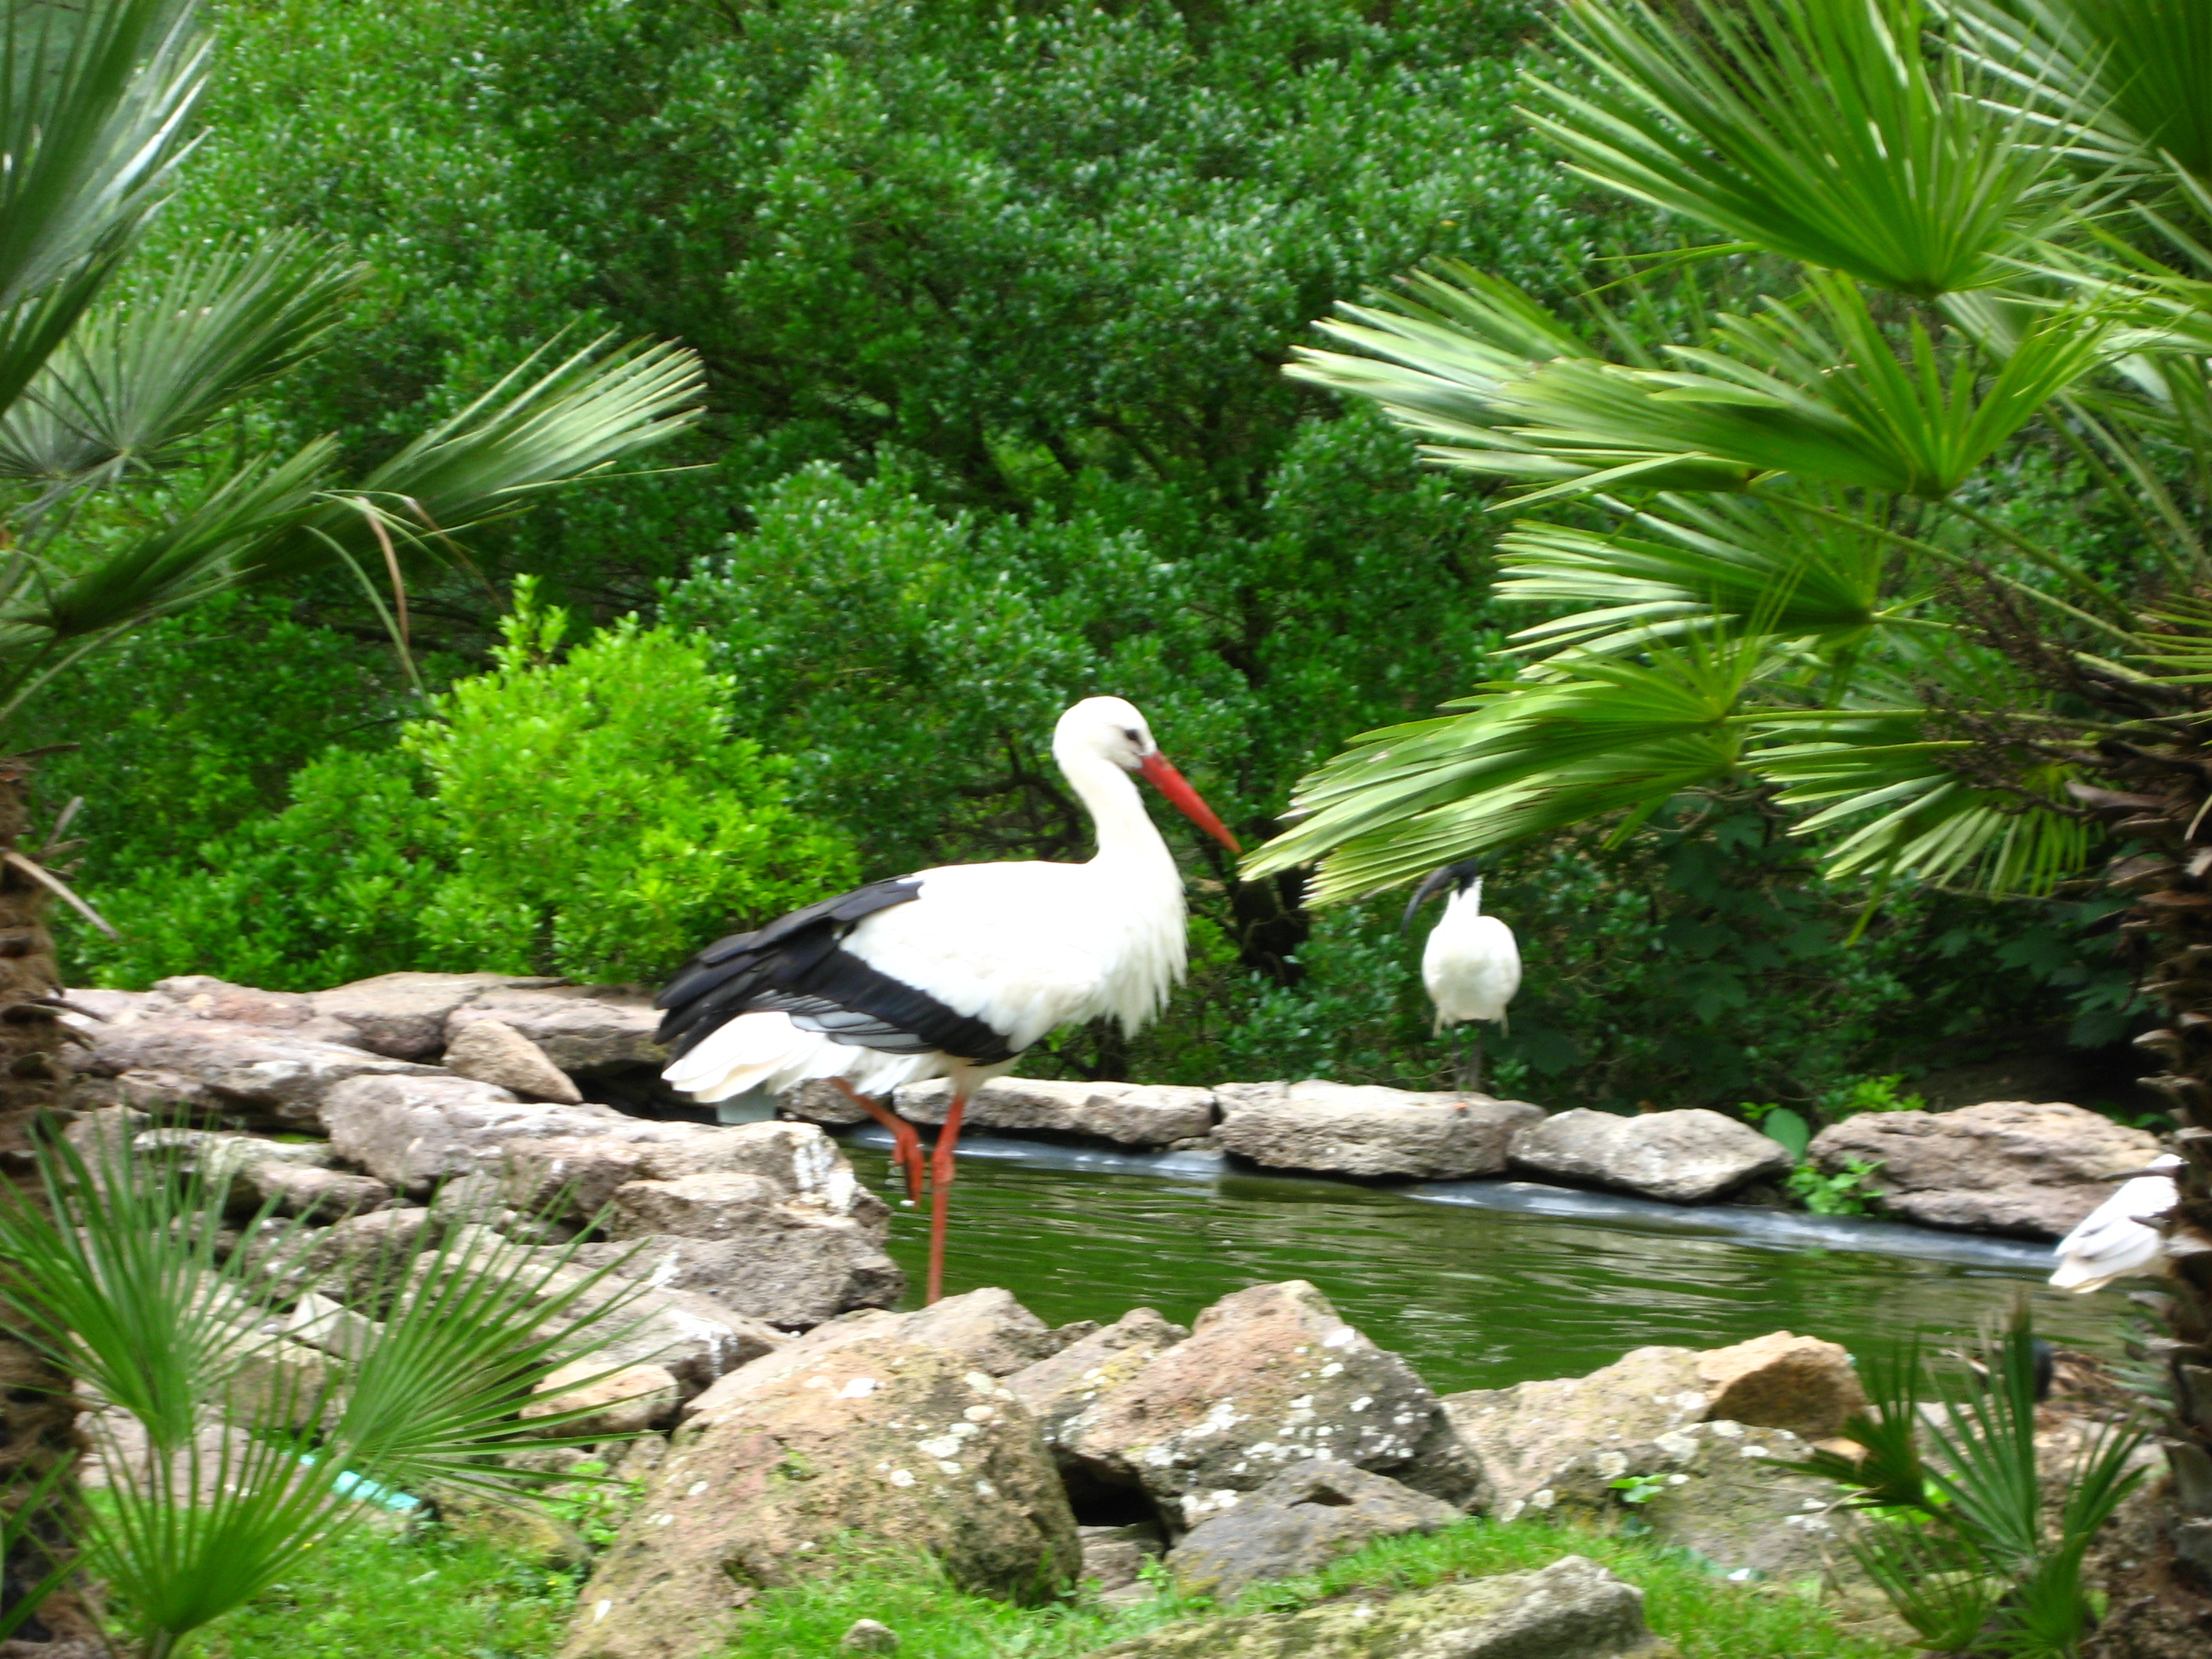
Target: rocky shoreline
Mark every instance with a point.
(465, 1053)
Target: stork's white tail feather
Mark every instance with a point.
(766, 1051)
(2117, 1237)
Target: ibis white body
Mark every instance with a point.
(1471, 964)
(2117, 1238)
(1024, 947)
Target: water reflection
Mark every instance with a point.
(1474, 1298)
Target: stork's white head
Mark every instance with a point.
(1111, 729)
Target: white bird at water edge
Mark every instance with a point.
(951, 972)
(2117, 1238)
(1472, 964)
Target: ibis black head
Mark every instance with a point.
(1454, 878)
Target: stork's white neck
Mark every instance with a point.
(1126, 834)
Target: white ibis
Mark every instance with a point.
(2117, 1238)
(951, 972)
(1471, 964)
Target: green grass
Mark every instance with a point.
(1706, 1617)
(421, 1594)
(431, 1596)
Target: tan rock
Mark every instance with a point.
(622, 1402)
(492, 1051)
(1364, 1130)
(900, 1443)
(2005, 1166)
(795, 1267)
(412, 1132)
(272, 1077)
(1525, 1435)
(1687, 1157)
(579, 1028)
(403, 1015)
(1131, 1114)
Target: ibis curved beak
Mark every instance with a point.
(1169, 782)
(1431, 884)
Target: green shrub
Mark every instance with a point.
(588, 815)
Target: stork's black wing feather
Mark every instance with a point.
(797, 965)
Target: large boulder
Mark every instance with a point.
(1525, 1436)
(1690, 1157)
(414, 1130)
(403, 1015)
(1572, 1609)
(1339, 1128)
(1298, 1523)
(1132, 1114)
(1269, 1378)
(2005, 1166)
(879, 1436)
(579, 1028)
(267, 1075)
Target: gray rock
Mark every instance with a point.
(868, 1636)
(697, 1340)
(707, 1206)
(416, 1130)
(1572, 1609)
(322, 1323)
(821, 1101)
(271, 1077)
(1058, 1389)
(202, 996)
(902, 1442)
(619, 1400)
(1113, 1558)
(1725, 1491)
(1690, 1157)
(492, 1051)
(403, 1015)
(2005, 1166)
(795, 1269)
(581, 1028)
(1342, 1129)
(1131, 1114)
(987, 1327)
(1269, 1378)
(1298, 1523)
(312, 1193)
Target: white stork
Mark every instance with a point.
(1471, 964)
(951, 972)
(2117, 1238)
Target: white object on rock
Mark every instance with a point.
(2116, 1239)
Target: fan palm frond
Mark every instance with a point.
(1818, 130)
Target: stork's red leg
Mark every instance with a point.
(906, 1145)
(941, 1187)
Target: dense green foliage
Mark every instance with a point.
(993, 303)
(588, 815)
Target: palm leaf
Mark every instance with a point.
(137, 379)
(93, 101)
(1692, 565)
(2122, 81)
(1818, 130)
(1609, 736)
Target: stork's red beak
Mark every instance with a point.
(1169, 782)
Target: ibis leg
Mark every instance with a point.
(940, 1188)
(906, 1145)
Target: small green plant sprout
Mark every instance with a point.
(1639, 1488)
(1780, 1124)
(1869, 1094)
(1966, 1543)
(1850, 1191)
(230, 1448)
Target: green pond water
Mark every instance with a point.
(1474, 1298)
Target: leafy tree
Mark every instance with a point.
(1787, 551)
(129, 494)
(587, 814)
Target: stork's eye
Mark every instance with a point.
(1136, 737)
